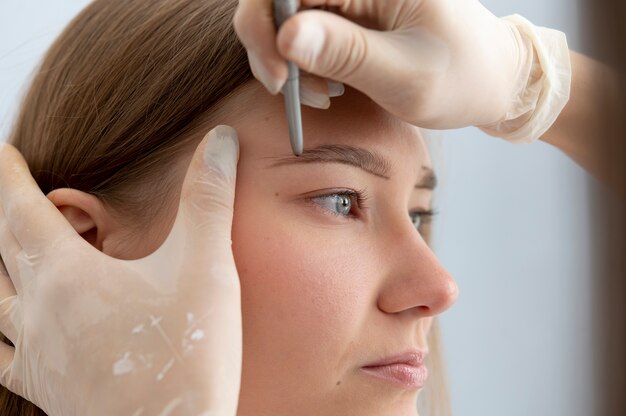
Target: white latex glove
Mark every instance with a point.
(95, 335)
(438, 64)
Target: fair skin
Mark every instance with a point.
(403, 66)
(323, 294)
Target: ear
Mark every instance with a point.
(86, 213)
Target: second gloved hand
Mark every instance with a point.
(435, 63)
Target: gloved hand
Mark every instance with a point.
(438, 64)
(95, 335)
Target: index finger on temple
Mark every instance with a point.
(31, 217)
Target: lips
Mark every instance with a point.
(412, 358)
(404, 370)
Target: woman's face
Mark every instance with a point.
(334, 274)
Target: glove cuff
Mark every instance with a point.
(546, 83)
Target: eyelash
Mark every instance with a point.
(360, 197)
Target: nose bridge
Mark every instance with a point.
(415, 279)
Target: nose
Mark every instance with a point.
(414, 279)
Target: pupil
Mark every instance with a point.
(416, 220)
(345, 204)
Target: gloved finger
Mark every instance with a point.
(9, 251)
(333, 47)
(206, 213)
(10, 313)
(31, 217)
(314, 91)
(201, 234)
(254, 24)
(208, 192)
(335, 89)
(201, 237)
(207, 199)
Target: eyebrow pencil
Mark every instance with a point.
(284, 9)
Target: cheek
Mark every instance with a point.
(427, 324)
(303, 294)
(288, 275)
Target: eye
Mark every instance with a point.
(340, 203)
(421, 218)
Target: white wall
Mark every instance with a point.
(514, 229)
(27, 28)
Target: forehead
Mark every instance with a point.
(353, 119)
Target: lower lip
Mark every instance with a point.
(404, 375)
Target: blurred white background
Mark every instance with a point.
(515, 230)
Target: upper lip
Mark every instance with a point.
(413, 358)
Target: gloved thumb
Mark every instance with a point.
(333, 47)
(208, 194)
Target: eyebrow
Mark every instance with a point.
(428, 180)
(369, 161)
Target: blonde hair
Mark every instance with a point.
(123, 91)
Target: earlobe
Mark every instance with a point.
(84, 212)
